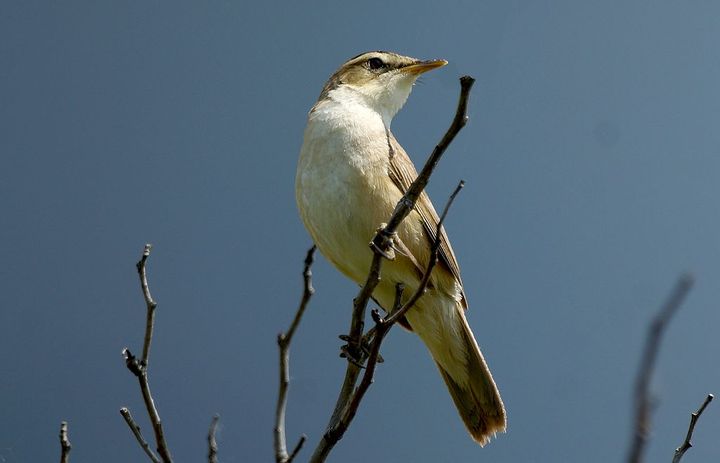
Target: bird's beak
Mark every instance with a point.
(424, 66)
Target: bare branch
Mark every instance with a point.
(308, 291)
(284, 340)
(657, 328)
(407, 203)
(65, 445)
(382, 327)
(149, 302)
(694, 417)
(138, 435)
(140, 367)
(212, 442)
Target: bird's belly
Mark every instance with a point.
(342, 213)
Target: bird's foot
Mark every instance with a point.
(357, 353)
(384, 243)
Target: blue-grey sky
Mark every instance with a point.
(591, 158)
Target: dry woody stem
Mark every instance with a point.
(65, 445)
(139, 367)
(138, 435)
(694, 417)
(212, 441)
(284, 340)
(641, 427)
(350, 397)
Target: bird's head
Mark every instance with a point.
(380, 80)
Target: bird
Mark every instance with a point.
(351, 173)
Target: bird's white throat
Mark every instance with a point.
(385, 98)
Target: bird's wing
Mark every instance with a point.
(402, 172)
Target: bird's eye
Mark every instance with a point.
(375, 63)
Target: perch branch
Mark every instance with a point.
(212, 442)
(655, 333)
(338, 426)
(65, 445)
(694, 417)
(383, 326)
(284, 340)
(139, 367)
(138, 435)
(407, 203)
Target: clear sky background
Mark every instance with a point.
(592, 162)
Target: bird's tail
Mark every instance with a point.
(462, 366)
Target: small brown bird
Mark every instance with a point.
(351, 174)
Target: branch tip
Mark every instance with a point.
(694, 417)
(212, 442)
(65, 445)
(297, 448)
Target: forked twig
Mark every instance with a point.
(694, 417)
(284, 340)
(139, 367)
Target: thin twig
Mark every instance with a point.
(138, 435)
(380, 245)
(297, 448)
(139, 367)
(212, 442)
(407, 203)
(284, 340)
(382, 327)
(657, 328)
(694, 417)
(434, 250)
(149, 302)
(65, 445)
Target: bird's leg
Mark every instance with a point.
(366, 343)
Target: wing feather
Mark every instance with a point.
(402, 172)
